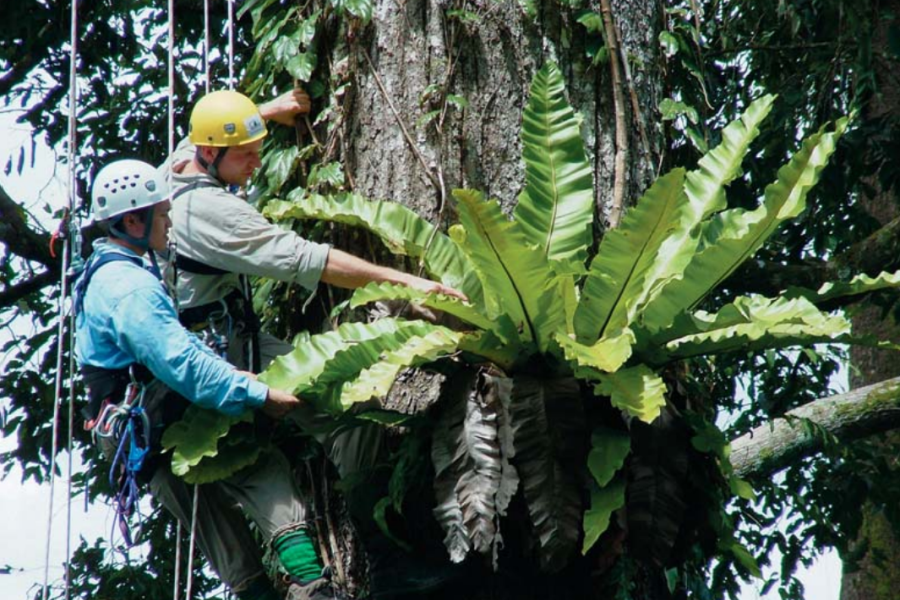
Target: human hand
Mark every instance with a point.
(280, 403)
(285, 107)
(433, 287)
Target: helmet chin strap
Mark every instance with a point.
(142, 242)
(213, 169)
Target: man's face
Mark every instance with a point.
(162, 223)
(239, 163)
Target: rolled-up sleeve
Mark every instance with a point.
(148, 328)
(223, 231)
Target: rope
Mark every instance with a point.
(64, 273)
(177, 559)
(230, 44)
(190, 567)
(206, 42)
(171, 150)
(70, 449)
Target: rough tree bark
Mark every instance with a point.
(877, 577)
(418, 48)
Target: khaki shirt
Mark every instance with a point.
(220, 229)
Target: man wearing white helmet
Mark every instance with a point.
(127, 330)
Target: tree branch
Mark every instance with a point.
(19, 238)
(14, 293)
(858, 413)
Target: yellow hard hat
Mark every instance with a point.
(225, 118)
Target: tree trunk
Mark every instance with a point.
(877, 576)
(418, 56)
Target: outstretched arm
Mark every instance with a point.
(348, 271)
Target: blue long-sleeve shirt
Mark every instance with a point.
(127, 318)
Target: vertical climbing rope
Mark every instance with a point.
(170, 145)
(206, 42)
(64, 273)
(230, 44)
(193, 538)
(70, 449)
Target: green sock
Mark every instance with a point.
(259, 589)
(298, 555)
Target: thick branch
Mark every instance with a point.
(14, 293)
(856, 414)
(19, 238)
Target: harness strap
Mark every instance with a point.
(92, 267)
(199, 314)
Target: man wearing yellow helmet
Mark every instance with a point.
(220, 240)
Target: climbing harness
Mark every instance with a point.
(206, 319)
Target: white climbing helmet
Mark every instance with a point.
(126, 185)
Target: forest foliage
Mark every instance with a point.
(718, 57)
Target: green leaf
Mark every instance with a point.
(529, 7)
(672, 109)
(556, 208)
(375, 292)
(464, 16)
(638, 391)
(279, 166)
(519, 276)
(318, 370)
(709, 439)
(197, 435)
(330, 173)
(754, 322)
(607, 354)
(298, 369)
(705, 192)
(669, 44)
(377, 380)
(604, 501)
(504, 349)
(458, 101)
(233, 455)
(741, 488)
(379, 513)
(735, 235)
(302, 65)
(743, 556)
(592, 21)
(427, 118)
(402, 230)
(617, 280)
(361, 9)
(861, 284)
(609, 448)
(284, 49)
(306, 33)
